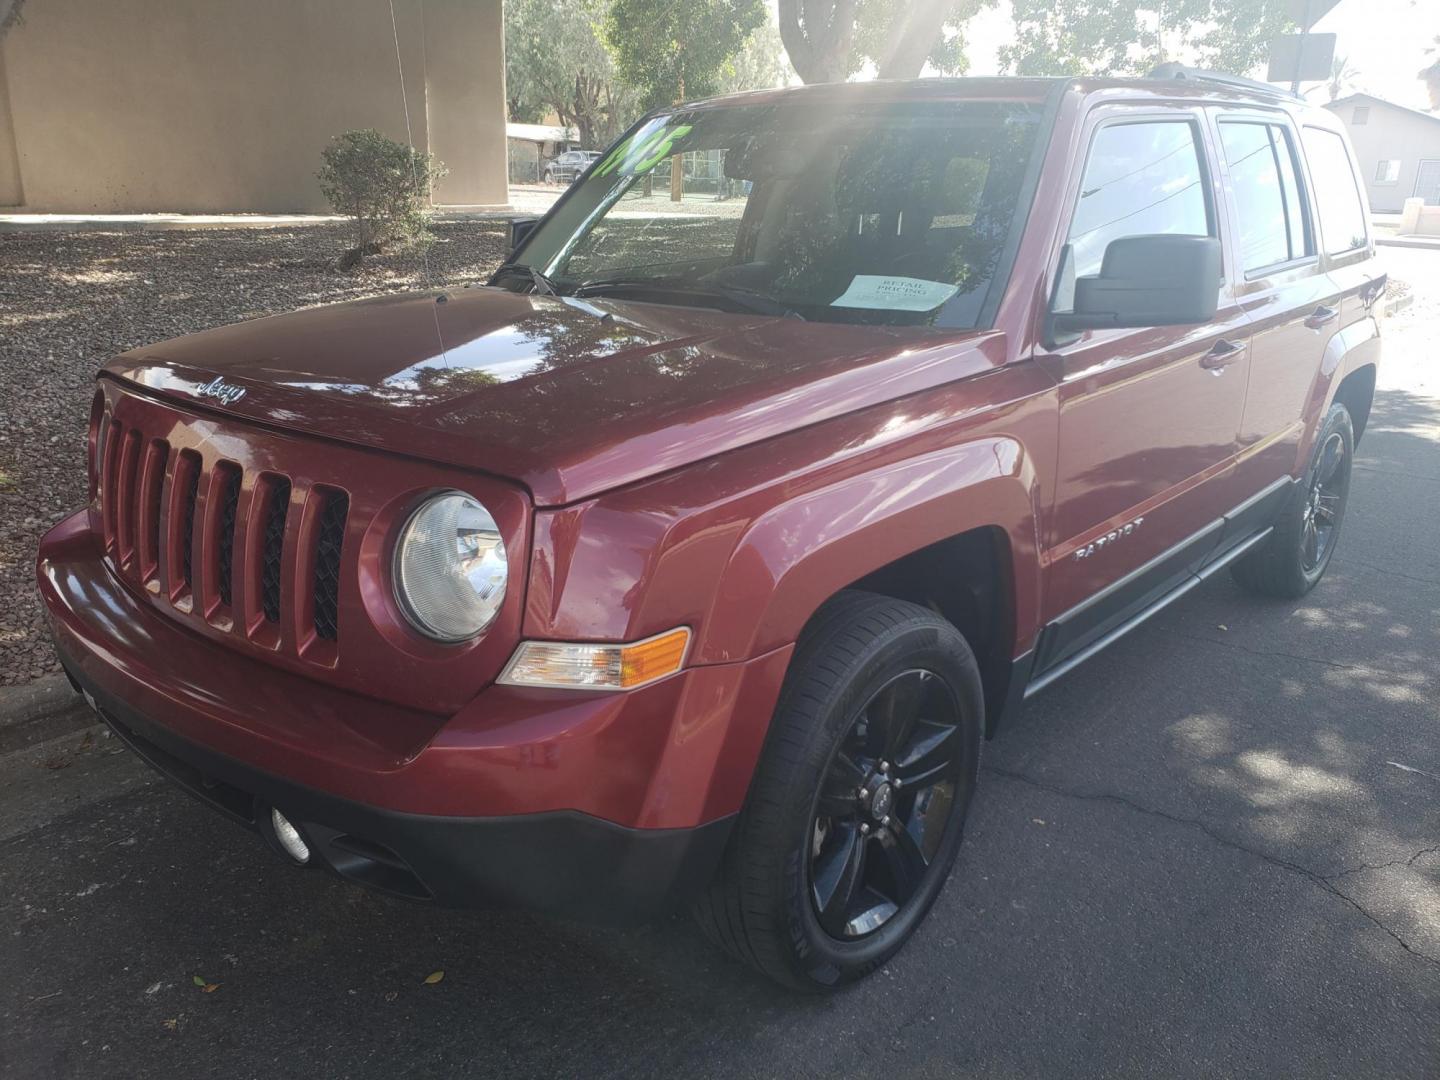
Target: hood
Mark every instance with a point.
(567, 397)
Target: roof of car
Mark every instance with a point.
(1005, 88)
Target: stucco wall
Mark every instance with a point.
(11, 194)
(1390, 134)
(465, 73)
(213, 105)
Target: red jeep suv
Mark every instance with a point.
(690, 560)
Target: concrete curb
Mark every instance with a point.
(39, 711)
(1398, 303)
(1431, 242)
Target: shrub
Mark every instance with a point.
(383, 187)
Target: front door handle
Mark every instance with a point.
(1221, 355)
(1320, 316)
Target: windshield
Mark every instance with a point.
(898, 213)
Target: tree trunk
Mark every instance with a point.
(586, 108)
(817, 35)
(911, 38)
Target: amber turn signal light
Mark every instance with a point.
(588, 666)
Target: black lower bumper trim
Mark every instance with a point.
(564, 862)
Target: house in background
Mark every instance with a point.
(1398, 150)
(531, 145)
(132, 106)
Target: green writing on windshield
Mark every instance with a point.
(641, 152)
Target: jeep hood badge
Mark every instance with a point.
(222, 391)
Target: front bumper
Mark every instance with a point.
(612, 806)
(563, 861)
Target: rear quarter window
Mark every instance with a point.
(1337, 194)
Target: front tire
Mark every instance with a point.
(1294, 559)
(858, 804)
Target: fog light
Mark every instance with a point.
(289, 837)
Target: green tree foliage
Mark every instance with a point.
(900, 37)
(671, 50)
(760, 65)
(1431, 76)
(10, 15)
(556, 62)
(829, 40)
(1128, 37)
(381, 185)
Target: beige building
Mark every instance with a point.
(1398, 150)
(128, 106)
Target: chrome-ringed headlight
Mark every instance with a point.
(450, 568)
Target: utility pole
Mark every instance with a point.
(1300, 48)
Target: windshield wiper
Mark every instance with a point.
(755, 300)
(749, 299)
(539, 282)
(596, 286)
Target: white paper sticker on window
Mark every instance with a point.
(894, 293)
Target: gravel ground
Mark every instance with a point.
(71, 300)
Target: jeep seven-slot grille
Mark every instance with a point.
(228, 480)
(211, 539)
(327, 563)
(276, 508)
(189, 493)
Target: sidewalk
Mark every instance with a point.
(526, 200)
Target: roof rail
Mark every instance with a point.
(1173, 70)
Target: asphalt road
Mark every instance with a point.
(1214, 851)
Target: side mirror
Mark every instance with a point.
(1157, 280)
(520, 228)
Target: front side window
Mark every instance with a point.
(1342, 213)
(1387, 172)
(897, 213)
(1270, 216)
(1141, 178)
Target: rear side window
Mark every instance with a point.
(1141, 178)
(1342, 214)
(1270, 214)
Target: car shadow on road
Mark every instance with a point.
(1305, 732)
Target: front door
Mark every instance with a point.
(1149, 418)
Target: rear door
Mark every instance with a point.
(1347, 252)
(1149, 418)
(1293, 305)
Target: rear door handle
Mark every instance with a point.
(1221, 355)
(1320, 316)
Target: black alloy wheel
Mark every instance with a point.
(884, 805)
(1293, 560)
(1325, 501)
(857, 808)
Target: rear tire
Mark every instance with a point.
(858, 804)
(1294, 559)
